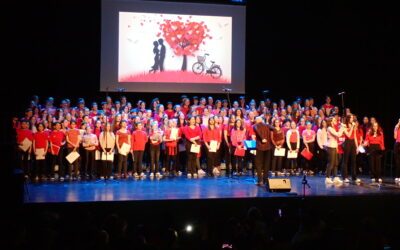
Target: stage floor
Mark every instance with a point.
(181, 188)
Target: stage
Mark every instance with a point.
(181, 188)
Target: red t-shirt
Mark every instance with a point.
(190, 133)
(378, 139)
(308, 135)
(123, 137)
(168, 136)
(57, 137)
(170, 113)
(73, 135)
(24, 133)
(212, 135)
(139, 140)
(41, 139)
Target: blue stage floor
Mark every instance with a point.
(178, 188)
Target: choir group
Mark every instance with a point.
(198, 137)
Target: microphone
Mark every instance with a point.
(226, 89)
(341, 93)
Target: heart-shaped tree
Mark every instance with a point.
(184, 38)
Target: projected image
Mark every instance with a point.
(157, 47)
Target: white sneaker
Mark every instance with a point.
(215, 172)
(396, 179)
(195, 176)
(179, 173)
(357, 180)
(101, 177)
(151, 175)
(142, 175)
(337, 180)
(380, 180)
(61, 178)
(111, 177)
(37, 178)
(201, 172)
(189, 176)
(372, 179)
(135, 175)
(346, 180)
(328, 180)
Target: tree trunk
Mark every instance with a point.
(184, 64)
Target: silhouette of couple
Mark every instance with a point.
(159, 56)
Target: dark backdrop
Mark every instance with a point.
(293, 49)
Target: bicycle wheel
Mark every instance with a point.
(216, 72)
(198, 68)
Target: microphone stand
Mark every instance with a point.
(343, 110)
(227, 91)
(304, 182)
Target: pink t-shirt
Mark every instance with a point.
(308, 134)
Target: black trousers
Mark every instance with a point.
(123, 164)
(75, 166)
(57, 160)
(171, 159)
(23, 161)
(263, 162)
(321, 159)
(137, 161)
(375, 160)
(276, 162)
(89, 166)
(40, 167)
(332, 165)
(227, 156)
(211, 160)
(191, 159)
(155, 158)
(349, 159)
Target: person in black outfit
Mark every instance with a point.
(156, 64)
(162, 54)
(263, 153)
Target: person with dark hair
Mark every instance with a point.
(332, 145)
(107, 145)
(376, 145)
(162, 54)
(40, 146)
(73, 141)
(89, 143)
(24, 142)
(172, 134)
(238, 136)
(193, 135)
(156, 136)
(278, 140)
(350, 146)
(263, 151)
(123, 136)
(212, 141)
(139, 141)
(156, 53)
